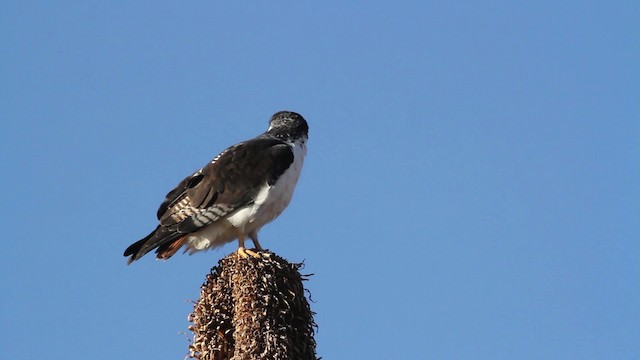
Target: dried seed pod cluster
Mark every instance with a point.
(253, 308)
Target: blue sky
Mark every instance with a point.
(470, 191)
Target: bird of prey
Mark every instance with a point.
(243, 188)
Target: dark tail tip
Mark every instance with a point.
(133, 250)
(157, 238)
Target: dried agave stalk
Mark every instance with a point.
(253, 309)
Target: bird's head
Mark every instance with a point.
(288, 125)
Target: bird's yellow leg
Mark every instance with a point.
(254, 237)
(244, 253)
(259, 250)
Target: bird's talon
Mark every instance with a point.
(244, 253)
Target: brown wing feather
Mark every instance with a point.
(230, 181)
(233, 181)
